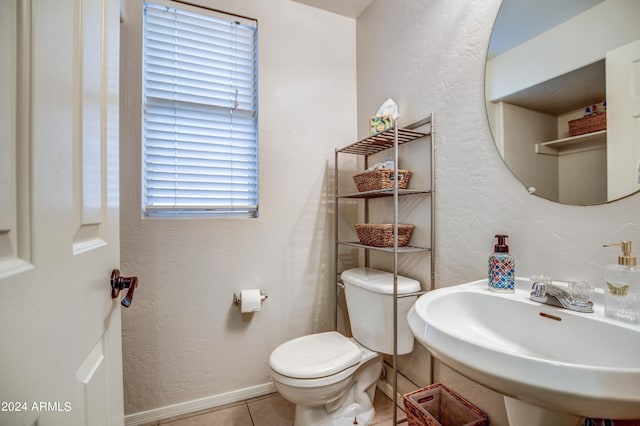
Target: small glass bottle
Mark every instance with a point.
(502, 267)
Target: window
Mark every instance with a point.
(199, 130)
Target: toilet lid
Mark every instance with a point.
(315, 356)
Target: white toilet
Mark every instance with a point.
(332, 378)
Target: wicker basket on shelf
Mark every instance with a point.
(381, 179)
(381, 235)
(437, 405)
(589, 124)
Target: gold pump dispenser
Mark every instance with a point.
(626, 259)
(622, 291)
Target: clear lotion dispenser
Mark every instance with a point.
(622, 287)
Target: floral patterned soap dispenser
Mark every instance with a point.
(502, 267)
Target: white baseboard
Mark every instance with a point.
(200, 404)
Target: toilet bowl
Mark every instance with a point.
(329, 377)
(332, 378)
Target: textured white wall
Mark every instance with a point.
(429, 56)
(183, 338)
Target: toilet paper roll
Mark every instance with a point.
(250, 301)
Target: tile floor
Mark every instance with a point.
(270, 410)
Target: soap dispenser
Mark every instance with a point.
(622, 288)
(502, 267)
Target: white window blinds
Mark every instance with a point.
(200, 142)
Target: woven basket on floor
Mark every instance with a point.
(590, 124)
(437, 405)
(381, 179)
(381, 235)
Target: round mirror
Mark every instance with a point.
(562, 90)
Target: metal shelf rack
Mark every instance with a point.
(390, 139)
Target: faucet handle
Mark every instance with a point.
(539, 289)
(581, 291)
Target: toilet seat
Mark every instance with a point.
(316, 359)
(314, 356)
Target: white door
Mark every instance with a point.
(623, 120)
(60, 343)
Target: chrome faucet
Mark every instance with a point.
(555, 296)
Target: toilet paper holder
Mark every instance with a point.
(237, 296)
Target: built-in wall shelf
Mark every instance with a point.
(573, 144)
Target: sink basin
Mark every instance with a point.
(578, 364)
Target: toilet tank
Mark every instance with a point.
(369, 295)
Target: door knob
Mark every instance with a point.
(119, 282)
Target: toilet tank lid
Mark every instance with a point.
(315, 355)
(379, 281)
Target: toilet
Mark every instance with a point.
(332, 378)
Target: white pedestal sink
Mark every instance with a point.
(551, 363)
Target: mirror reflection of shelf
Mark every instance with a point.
(573, 144)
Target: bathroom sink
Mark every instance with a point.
(578, 364)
